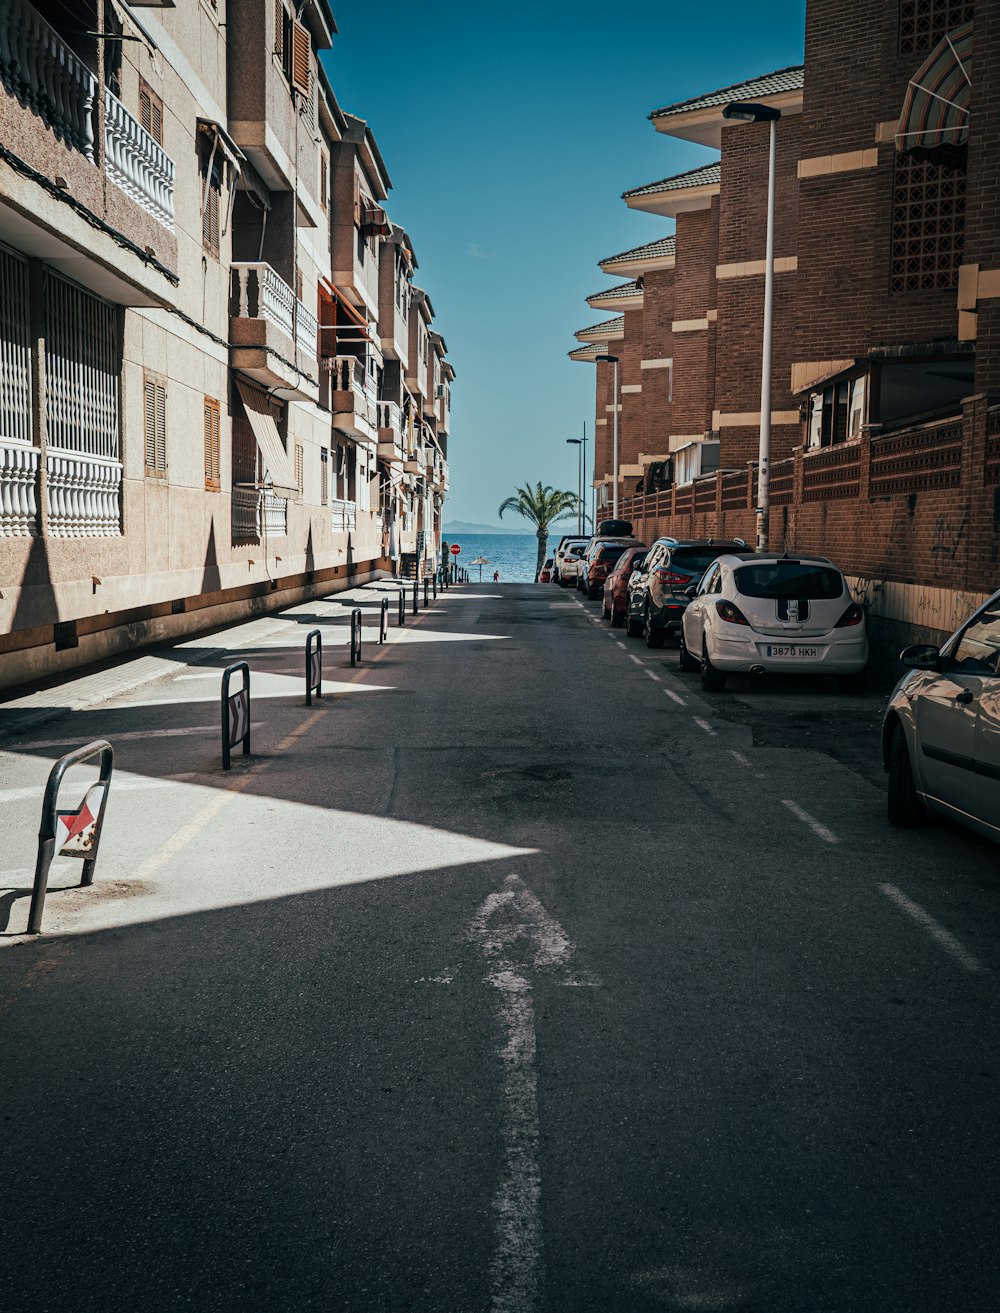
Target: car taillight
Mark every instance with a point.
(733, 614)
(852, 616)
(670, 577)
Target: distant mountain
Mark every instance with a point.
(456, 527)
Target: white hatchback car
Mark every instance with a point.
(941, 733)
(568, 560)
(775, 614)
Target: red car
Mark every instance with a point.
(615, 599)
(545, 574)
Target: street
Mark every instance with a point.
(514, 975)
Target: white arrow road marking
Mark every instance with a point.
(516, 934)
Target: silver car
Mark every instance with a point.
(941, 734)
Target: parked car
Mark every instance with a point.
(545, 574)
(599, 560)
(773, 613)
(567, 544)
(569, 563)
(941, 732)
(658, 596)
(616, 585)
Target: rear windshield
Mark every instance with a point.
(696, 560)
(610, 553)
(790, 579)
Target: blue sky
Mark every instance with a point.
(510, 133)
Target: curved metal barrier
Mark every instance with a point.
(235, 713)
(383, 621)
(314, 665)
(355, 635)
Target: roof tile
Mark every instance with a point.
(768, 84)
(706, 176)
(662, 246)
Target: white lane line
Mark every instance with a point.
(621, 645)
(653, 675)
(937, 932)
(201, 674)
(703, 724)
(816, 826)
(675, 697)
(632, 657)
(744, 761)
(114, 737)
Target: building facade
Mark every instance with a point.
(205, 321)
(886, 371)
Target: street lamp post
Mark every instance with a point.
(613, 360)
(578, 443)
(745, 113)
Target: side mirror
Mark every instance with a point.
(922, 656)
(691, 591)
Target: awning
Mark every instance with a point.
(276, 468)
(936, 108)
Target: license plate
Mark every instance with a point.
(783, 650)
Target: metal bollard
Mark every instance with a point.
(235, 713)
(416, 595)
(402, 607)
(383, 621)
(314, 665)
(79, 832)
(355, 635)
(434, 582)
(427, 592)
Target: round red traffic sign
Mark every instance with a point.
(455, 549)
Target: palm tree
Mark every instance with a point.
(541, 506)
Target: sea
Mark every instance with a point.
(512, 554)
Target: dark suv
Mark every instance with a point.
(656, 595)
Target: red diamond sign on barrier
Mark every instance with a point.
(75, 830)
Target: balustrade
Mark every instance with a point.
(83, 495)
(306, 329)
(343, 516)
(256, 514)
(388, 415)
(259, 293)
(43, 73)
(137, 163)
(18, 482)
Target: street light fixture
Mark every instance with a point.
(613, 360)
(578, 442)
(742, 112)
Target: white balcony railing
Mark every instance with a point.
(137, 163)
(41, 71)
(18, 484)
(343, 516)
(259, 293)
(388, 415)
(306, 329)
(257, 514)
(84, 495)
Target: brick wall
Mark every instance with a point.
(694, 297)
(657, 317)
(983, 206)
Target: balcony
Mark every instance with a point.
(257, 514)
(273, 334)
(136, 163)
(353, 398)
(390, 439)
(51, 118)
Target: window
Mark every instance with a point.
(83, 362)
(154, 425)
(293, 46)
(979, 647)
(211, 197)
(324, 476)
(212, 465)
(923, 23)
(837, 413)
(299, 462)
(781, 579)
(151, 111)
(928, 224)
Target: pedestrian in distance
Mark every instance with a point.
(496, 576)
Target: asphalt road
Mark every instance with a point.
(515, 976)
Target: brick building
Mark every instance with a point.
(204, 319)
(885, 442)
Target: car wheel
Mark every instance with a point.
(856, 683)
(712, 680)
(903, 806)
(632, 626)
(685, 661)
(617, 618)
(652, 635)
(604, 610)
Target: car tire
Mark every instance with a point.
(617, 618)
(653, 636)
(685, 661)
(903, 807)
(632, 627)
(712, 680)
(604, 610)
(856, 683)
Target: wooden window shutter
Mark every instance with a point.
(279, 28)
(155, 425)
(212, 461)
(145, 105)
(324, 478)
(301, 50)
(299, 462)
(323, 180)
(151, 111)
